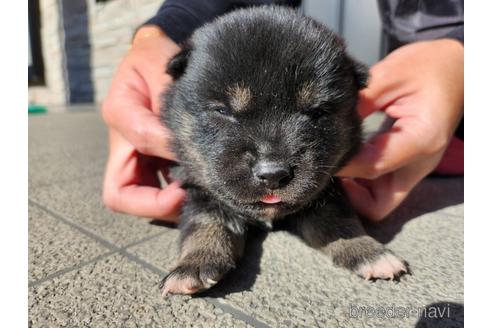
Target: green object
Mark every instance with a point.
(37, 109)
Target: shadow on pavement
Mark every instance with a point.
(165, 224)
(442, 315)
(432, 194)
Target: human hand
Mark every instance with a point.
(420, 86)
(138, 143)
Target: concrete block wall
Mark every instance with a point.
(111, 29)
(83, 41)
(54, 92)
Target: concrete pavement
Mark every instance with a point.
(89, 267)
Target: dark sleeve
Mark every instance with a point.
(457, 33)
(179, 18)
(410, 21)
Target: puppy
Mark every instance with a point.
(263, 114)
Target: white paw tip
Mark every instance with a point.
(184, 286)
(211, 281)
(386, 266)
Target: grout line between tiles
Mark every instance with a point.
(236, 313)
(78, 227)
(94, 259)
(67, 270)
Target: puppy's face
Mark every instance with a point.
(263, 109)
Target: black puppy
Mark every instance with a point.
(263, 114)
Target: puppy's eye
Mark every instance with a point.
(221, 109)
(315, 112)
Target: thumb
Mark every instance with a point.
(381, 90)
(157, 86)
(365, 105)
(373, 199)
(359, 196)
(386, 152)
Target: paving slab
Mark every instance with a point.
(47, 167)
(285, 283)
(440, 196)
(80, 202)
(438, 193)
(280, 282)
(115, 292)
(64, 148)
(55, 246)
(165, 253)
(63, 130)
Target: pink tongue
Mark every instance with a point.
(271, 199)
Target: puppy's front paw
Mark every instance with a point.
(385, 266)
(193, 276)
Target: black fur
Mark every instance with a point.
(265, 84)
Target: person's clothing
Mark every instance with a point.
(179, 18)
(409, 21)
(404, 21)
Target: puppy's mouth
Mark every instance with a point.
(271, 199)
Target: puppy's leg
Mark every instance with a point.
(210, 247)
(335, 230)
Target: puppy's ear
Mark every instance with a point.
(361, 74)
(177, 65)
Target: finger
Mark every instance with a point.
(365, 105)
(373, 199)
(386, 152)
(382, 90)
(158, 86)
(143, 129)
(150, 202)
(131, 184)
(127, 109)
(361, 198)
(156, 79)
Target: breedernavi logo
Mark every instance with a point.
(394, 311)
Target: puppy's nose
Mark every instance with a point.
(274, 175)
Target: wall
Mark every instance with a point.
(357, 21)
(53, 93)
(83, 42)
(362, 29)
(111, 29)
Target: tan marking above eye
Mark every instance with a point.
(306, 95)
(240, 97)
